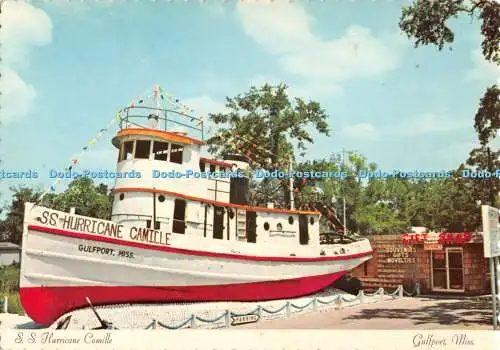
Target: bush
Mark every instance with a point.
(14, 306)
(9, 286)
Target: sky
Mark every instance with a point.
(67, 67)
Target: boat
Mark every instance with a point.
(175, 238)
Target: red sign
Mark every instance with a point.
(443, 238)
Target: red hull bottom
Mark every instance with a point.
(45, 305)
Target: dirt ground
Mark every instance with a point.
(405, 313)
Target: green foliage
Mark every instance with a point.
(86, 198)
(487, 120)
(9, 286)
(82, 194)
(12, 226)
(263, 122)
(426, 22)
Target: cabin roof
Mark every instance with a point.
(166, 135)
(216, 162)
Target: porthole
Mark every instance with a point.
(279, 227)
(161, 198)
(230, 213)
(122, 195)
(311, 220)
(290, 220)
(266, 226)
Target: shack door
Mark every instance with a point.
(218, 222)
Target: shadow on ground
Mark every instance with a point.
(447, 312)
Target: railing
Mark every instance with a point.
(315, 303)
(137, 116)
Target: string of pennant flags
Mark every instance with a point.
(164, 96)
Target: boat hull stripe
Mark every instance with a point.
(90, 237)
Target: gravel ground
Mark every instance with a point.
(140, 316)
(423, 313)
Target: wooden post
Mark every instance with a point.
(361, 297)
(154, 324)
(193, 321)
(339, 303)
(381, 294)
(288, 309)
(315, 304)
(400, 292)
(5, 304)
(228, 318)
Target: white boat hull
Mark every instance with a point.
(60, 268)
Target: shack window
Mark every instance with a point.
(160, 150)
(142, 149)
(212, 168)
(202, 166)
(176, 153)
(128, 149)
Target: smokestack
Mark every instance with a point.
(239, 186)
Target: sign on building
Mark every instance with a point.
(491, 231)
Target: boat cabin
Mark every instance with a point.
(172, 195)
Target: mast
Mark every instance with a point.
(156, 96)
(290, 184)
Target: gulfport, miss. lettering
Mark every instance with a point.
(105, 251)
(103, 228)
(28, 174)
(94, 174)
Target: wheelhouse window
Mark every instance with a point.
(127, 150)
(160, 150)
(142, 149)
(176, 153)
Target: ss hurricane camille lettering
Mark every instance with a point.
(186, 239)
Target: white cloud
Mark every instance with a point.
(284, 28)
(17, 96)
(203, 105)
(24, 27)
(363, 131)
(483, 70)
(429, 122)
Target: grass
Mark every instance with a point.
(9, 286)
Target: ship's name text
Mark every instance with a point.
(102, 228)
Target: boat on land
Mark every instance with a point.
(175, 239)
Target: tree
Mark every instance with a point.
(87, 199)
(12, 226)
(264, 124)
(425, 21)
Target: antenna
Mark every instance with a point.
(156, 97)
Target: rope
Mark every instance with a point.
(274, 312)
(175, 327)
(336, 298)
(206, 320)
(245, 314)
(302, 307)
